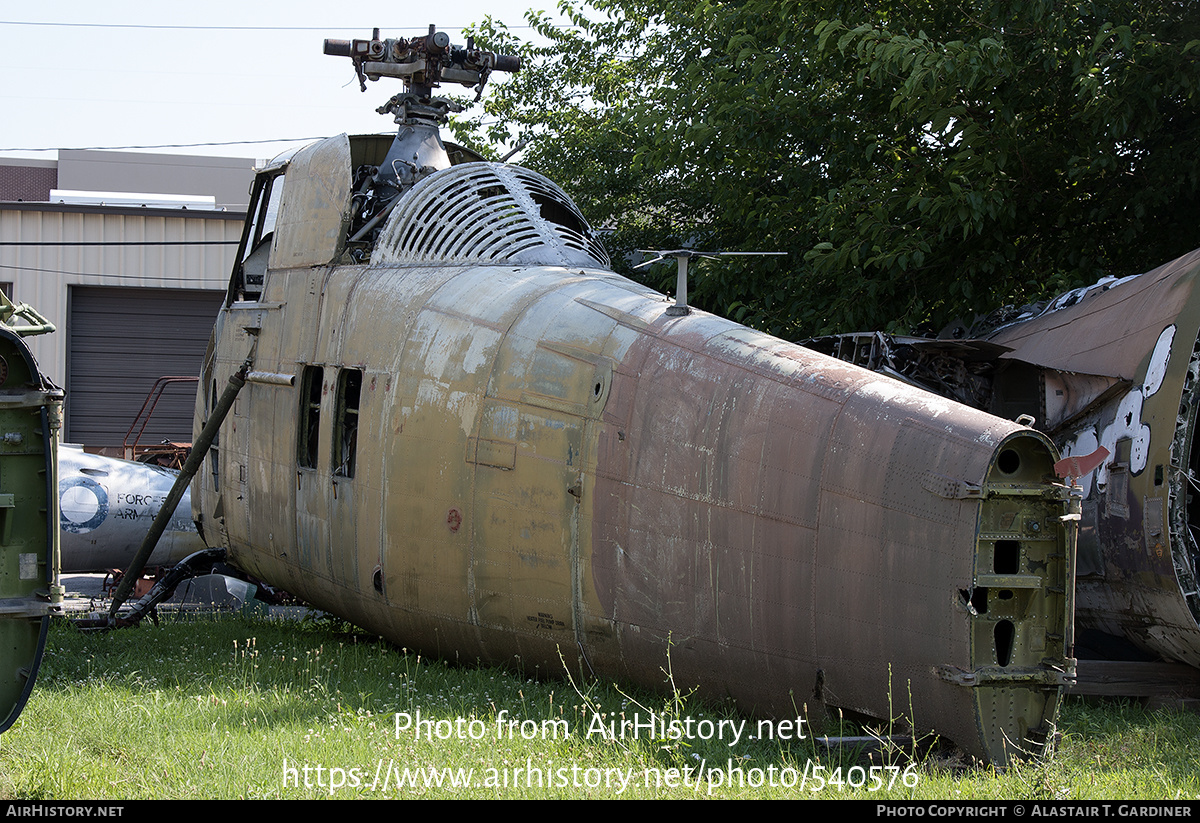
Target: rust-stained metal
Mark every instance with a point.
(167, 454)
(1138, 552)
(1112, 367)
(492, 445)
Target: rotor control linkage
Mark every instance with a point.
(423, 63)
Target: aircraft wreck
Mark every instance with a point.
(447, 420)
(107, 504)
(1111, 370)
(30, 420)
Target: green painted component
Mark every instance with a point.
(30, 410)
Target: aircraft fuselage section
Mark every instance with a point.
(530, 461)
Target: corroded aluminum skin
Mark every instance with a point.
(107, 504)
(1137, 561)
(550, 464)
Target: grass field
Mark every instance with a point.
(242, 708)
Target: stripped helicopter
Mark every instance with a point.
(430, 407)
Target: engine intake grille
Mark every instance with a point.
(489, 213)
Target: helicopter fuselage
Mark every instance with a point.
(481, 442)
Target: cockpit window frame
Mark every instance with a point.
(261, 213)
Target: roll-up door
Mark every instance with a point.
(122, 340)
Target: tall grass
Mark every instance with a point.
(250, 708)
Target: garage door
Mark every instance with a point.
(121, 341)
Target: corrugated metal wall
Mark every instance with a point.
(41, 274)
(138, 305)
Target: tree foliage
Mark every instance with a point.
(919, 161)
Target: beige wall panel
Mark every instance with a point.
(42, 274)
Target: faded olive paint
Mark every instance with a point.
(548, 463)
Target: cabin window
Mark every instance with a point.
(345, 427)
(310, 417)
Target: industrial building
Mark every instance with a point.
(129, 255)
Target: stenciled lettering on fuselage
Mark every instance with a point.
(86, 504)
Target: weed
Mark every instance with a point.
(216, 709)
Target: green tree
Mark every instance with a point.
(919, 161)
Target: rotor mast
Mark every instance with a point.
(423, 64)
